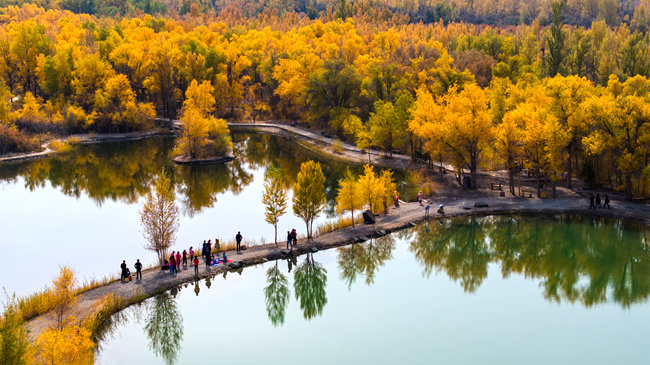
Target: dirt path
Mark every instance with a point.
(155, 281)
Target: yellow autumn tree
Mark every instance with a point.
(565, 96)
(71, 344)
(348, 197)
(309, 194)
(373, 189)
(202, 135)
(465, 127)
(621, 118)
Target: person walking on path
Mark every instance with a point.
(172, 264)
(123, 267)
(294, 235)
(597, 200)
(209, 247)
(238, 238)
(420, 197)
(606, 202)
(196, 265)
(191, 251)
(178, 261)
(138, 270)
(184, 258)
(207, 260)
(591, 202)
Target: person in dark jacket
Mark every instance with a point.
(289, 240)
(138, 270)
(238, 238)
(606, 202)
(124, 274)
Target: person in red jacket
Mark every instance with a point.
(196, 265)
(172, 264)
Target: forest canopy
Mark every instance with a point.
(365, 77)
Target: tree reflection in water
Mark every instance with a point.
(309, 282)
(125, 170)
(164, 327)
(577, 259)
(276, 294)
(365, 259)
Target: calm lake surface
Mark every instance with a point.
(490, 290)
(81, 209)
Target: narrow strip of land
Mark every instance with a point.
(154, 281)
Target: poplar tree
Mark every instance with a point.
(274, 197)
(349, 197)
(159, 217)
(309, 194)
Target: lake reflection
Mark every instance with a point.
(86, 203)
(515, 273)
(125, 170)
(586, 260)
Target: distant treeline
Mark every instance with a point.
(494, 12)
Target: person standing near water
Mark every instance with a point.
(591, 202)
(289, 240)
(178, 261)
(196, 265)
(172, 264)
(294, 235)
(138, 270)
(184, 258)
(238, 238)
(123, 267)
(597, 200)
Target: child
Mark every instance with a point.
(196, 265)
(225, 258)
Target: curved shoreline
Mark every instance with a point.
(83, 139)
(407, 215)
(154, 281)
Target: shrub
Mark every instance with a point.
(12, 140)
(337, 147)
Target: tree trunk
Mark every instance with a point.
(276, 234)
(569, 171)
(472, 171)
(628, 187)
(538, 182)
(511, 181)
(352, 213)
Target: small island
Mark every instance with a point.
(203, 138)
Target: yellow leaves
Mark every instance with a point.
(374, 189)
(200, 97)
(71, 344)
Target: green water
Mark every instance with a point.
(81, 208)
(491, 290)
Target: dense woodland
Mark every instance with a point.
(558, 99)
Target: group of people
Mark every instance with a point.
(595, 201)
(176, 258)
(126, 272)
(292, 238)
